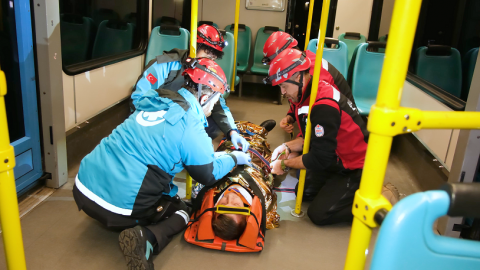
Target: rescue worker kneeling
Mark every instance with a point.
(126, 181)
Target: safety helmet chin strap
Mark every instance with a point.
(199, 95)
(300, 85)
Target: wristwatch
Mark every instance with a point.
(288, 148)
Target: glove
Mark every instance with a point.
(242, 158)
(237, 139)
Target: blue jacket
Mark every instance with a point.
(133, 167)
(165, 72)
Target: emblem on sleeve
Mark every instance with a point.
(319, 131)
(151, 78)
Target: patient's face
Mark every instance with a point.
(233, 200)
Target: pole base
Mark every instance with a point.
(297, 215)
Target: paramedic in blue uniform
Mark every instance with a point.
(126, 180)
(164, 72)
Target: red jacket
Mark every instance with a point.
(339, 135)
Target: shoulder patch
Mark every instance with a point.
(151, 78)
(319, 131)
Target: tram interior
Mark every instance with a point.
(57, 236)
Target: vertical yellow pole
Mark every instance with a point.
(394, 72)
(9, 216)
(193, 29)
(235, 37)
(309, 24)
(316, 79)
(193, 54)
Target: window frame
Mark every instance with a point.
(142, 34)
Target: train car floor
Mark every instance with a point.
(57, 236)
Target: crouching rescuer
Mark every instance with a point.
(126, 181)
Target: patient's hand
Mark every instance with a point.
(280, 150)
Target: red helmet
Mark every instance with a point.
(275, 44)
(210, 36)
(207, 72)
(287, 63)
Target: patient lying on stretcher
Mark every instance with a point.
(236, 194)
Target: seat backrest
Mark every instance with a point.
(103, 14)
(262, 35)
(335, 56)
(208, 22)
(164, 38)
(165, 20)
(113, 36)
(440, 65)
(78, 34)
(406, 239)
(244, 43)
(468, 67)
(352, 40)
(365, 72)
(383, 38)
(226, 63)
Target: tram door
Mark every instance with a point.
(17, 62)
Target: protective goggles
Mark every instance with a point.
(278, 75)
(223, 209)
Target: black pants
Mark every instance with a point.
(169, 225)
(331, 195)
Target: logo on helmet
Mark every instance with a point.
(212, 69)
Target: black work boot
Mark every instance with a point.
(268, 124)
(138, 251)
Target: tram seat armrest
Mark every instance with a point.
(464, 199)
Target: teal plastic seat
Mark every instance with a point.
(208, 22)
(113, 37)
(352, 40)
(262, 35)
(77, 34)
(243, 45)
(164, 38)
(103, 14)
(226, 63)
(165, 20)
(406, 239)
(364, 76)
(335, 56)
(468, 67)
(440, 65)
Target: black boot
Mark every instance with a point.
(268, 124)
(136, 248)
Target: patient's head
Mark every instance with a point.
(229, 226)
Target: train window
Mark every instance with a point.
(95, 33)
(169, 12)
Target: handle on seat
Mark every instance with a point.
(439, 50)
(329, 41)
(240, 26)
(173, 30)
(464, 199)
(205, 22)
(376, 44)
(352, 35)
(270, 28)
(223, 32)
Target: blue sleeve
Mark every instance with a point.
(153, 77)
(197, 155)
(223, 117)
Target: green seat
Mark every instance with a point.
(103, 14)
(262, 35)
(226, 63)
(131, 18)
(352, 40)
(208, 22)
(77, 36)
(244, 43)
(165, 20)
(164, 38)
(468, 66)
(113, 37)
(335, 56)
(364, 73)
(440, 65)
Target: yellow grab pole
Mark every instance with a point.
(193, 29)
(315, 80)
(397, 56)
(235, 37)
(9, 216)
(309, 24)
(193, 54)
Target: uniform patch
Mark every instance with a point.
(319, 131)
(151, 78)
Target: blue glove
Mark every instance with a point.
(237, 139)
(242, 158)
